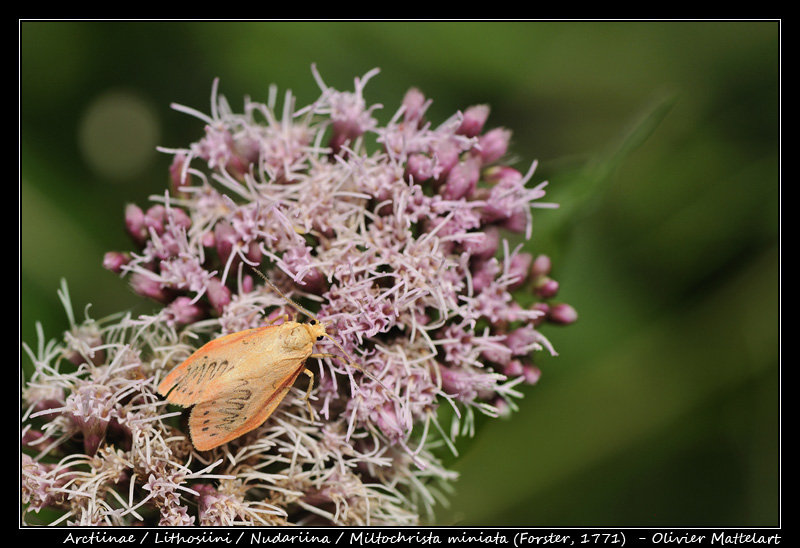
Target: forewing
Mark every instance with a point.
(238, 410)
(206, 372)
(235, 382)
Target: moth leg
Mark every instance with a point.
(308, 392)
(284, 317)
(325, 356)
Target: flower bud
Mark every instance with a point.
(446, 154)
(518, 268)
(461, 180)
(155, 218)
(532, 374)
(114, 261)
(545, 287)
(414, 104)
(135, 225)
(420, 167)
(514, 368)
(541, 266)
(517, 221)
(563, 314)
(224, 237)
(474, 119)
(149, 287)
(176, 174)
(485, 247)
(182, 311)
(218, 294)
(493, 145)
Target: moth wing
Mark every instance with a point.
(210, 367)
(238, 410)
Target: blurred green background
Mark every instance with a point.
(661, 142)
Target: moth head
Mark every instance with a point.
(316, 329)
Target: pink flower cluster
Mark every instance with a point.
(401, 247)
(396, 235)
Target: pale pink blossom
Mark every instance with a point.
(394, 234)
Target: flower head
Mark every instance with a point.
(401, 250)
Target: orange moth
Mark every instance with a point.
(235, 382)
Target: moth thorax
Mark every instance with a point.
(301, 335)
(297, 336)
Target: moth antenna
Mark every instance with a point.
(296, 306)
